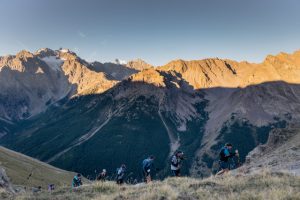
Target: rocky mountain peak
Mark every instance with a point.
(195, 105)
(45, 52)
(138, 64)
(65, 50)
(284, 59)
(24, 55)
(39, 79)
(149, 76)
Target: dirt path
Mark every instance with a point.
(7, 121)
(81, 140)
(174, 143)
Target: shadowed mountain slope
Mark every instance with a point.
(195, 106)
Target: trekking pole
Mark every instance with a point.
(95, 174)
(238, 158)
(29, 176)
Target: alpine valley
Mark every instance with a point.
(81, 116)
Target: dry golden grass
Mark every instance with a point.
(23, 170)
(261, 186)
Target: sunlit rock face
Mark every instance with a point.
(111, 108)
(30, 82)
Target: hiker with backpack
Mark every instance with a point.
(102, 175)
(176, 160)
(225, 155)
(76, 181)
(147, 164)
(121, 174)
(51, 187)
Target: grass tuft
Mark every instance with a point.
(262, 186)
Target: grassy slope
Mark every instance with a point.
(262, 186)
(18, 167)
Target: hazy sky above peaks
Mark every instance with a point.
(155, 30)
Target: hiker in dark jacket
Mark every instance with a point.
(121, 174)
(76, 181)
(147, 164)
(176, 160)
(102, 175)
(51, 187)
(225, 155)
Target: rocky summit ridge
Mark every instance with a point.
(193, 105)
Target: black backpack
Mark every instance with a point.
(222, 154)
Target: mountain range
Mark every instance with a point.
(83, 116)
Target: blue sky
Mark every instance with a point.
(155, 30)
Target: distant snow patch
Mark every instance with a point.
(64, 50)
(123, 62)
(114, 74)
(120, 62)
(42, 49)
(39, 71)
(53, 62)
(176, 84)
(181, 128)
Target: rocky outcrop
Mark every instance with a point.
(280, 153)
(119, 71)
(138, 64)
(199, 97)
(211, 73)
(31, 82)
(113, 71)
(5, 183)
(258, 93)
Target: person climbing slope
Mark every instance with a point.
(121, 174)
(147, 164)
(76, 181)
(176, 160)
(102, 175)
(225, 154)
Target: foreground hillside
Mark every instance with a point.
(25, 171)
(262, 186)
